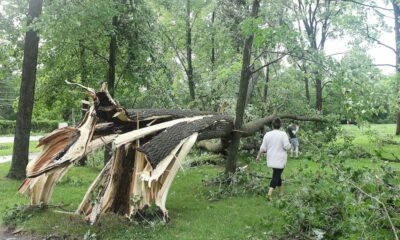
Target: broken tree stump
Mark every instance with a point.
(143, 172)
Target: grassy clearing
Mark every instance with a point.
(365, 137)
(193, 216)
(7, 148)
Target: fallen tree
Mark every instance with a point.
(250, 129)
(149, 147)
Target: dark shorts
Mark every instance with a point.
(276, 180)
(294, 142)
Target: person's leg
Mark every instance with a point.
(269, 195)
(295, 147)
(274, 182)
(292, 148)
(279, 172)
(292, 151)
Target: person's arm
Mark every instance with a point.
(286, 144)
(261, 152)
(263, 149)
(296, 128)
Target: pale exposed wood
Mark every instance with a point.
(85, 206)
(76, 151)
(52, 145)
(90, 90)
(137, 189)
(116, 168)
(100, 142)
(51, 182)
(162, 166)
(162, 194)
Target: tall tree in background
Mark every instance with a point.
(112, 57)
(189, 70)
(26, 96)
(369, 34)
(245, 76)
(315, 20)
(112, 63)
(396, 11)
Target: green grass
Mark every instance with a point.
(365, 137)
(7, 148)
(192, 215)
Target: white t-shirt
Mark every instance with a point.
(276, 143)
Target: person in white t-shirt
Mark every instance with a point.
(276, 144)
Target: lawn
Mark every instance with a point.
(369, 137)
(7, 148)
(192, 215)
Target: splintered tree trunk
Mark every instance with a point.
(26, 96)
(151, 145)
(121, 203)
(241, 100)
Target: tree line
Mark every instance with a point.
(246, 59)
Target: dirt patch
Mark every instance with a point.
(6, 234)
(15, 234)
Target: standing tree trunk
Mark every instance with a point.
(396, 10)
(318, 97)
(266, 77)
(192, 85)
(112, 59)
(241, 100)
(212, 42)
(26, 96)
(112, 62)
(306, 84)
(84, 106)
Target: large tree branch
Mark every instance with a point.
(377, 40)
(384, 65)
(95, 53)
(252, 127)
(178, 54)
(269, 63)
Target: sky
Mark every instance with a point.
(380, 54)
